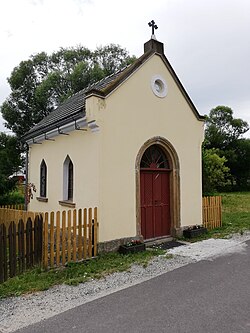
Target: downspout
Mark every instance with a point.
(26, 174)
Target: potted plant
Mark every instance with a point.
(194, 231)
(133, 246)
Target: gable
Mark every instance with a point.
(71, 115)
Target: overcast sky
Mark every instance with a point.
(206, 41)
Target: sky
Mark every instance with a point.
(206, 42)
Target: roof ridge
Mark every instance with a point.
(106, 77)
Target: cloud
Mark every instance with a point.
(36, 2)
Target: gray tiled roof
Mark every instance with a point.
(70, 110)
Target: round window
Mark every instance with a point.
(159, 86)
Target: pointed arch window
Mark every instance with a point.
(68, 179)
(43, 179)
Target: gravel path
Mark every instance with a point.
(18, 312)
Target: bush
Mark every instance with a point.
(12, 198)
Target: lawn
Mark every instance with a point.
(235, 212)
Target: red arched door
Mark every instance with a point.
(155, 193)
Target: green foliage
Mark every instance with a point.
(222, 129)
(239, 162)
(10, 161)
(40, 83)
(12, 198)
(215, 173)
(74, 273)
(224, 133)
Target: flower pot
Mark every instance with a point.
(126, 249)
(191, 233)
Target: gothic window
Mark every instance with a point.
(43, 179)
(68, 179)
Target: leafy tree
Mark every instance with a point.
(43, 81)
(222, 129)
(10, 161)
(215, 173)
(224, 133)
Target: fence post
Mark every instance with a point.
(95, 231)
(58, 231)
(80, 250)
(52, 239)
(64, 237)
(29, 243)
(90, 233)
(3, 253)
(12, 248)
(45, 241)
(38, 239)
(21, 250)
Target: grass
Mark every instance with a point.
(74, 273)
(235, 213)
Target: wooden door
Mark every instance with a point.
(155, 195)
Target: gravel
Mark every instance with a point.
(18, 312)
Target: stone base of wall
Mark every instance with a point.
(113, 245)
(177, 232)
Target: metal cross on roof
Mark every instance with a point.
(153, 25)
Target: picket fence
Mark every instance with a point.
(63, 237)
(69, 236)
(212, 212)
(20, 246)
(17, 207)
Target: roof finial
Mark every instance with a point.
(154, 26)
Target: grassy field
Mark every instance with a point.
(235, 214)
(236, 219)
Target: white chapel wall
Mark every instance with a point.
(82, 148)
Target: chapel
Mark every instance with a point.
(130, 145)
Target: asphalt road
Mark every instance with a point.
(208, 296)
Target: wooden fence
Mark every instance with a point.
(17, 207)
(20, 246)
(7, 215)
(69, 236)
(212, 212)
(65, 237)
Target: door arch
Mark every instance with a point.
(157, 189)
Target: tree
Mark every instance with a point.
(10, 162)
(40, 83)
(222, 129)
(224, 133)
(215, 173)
